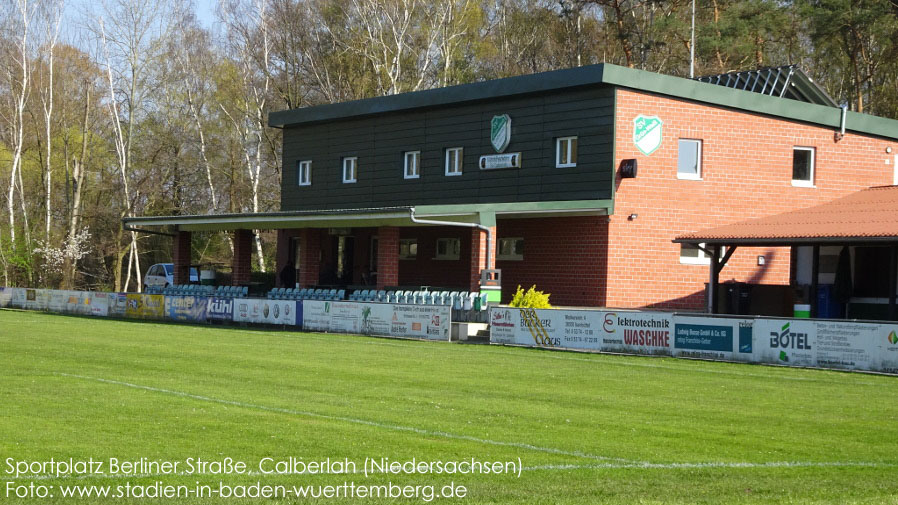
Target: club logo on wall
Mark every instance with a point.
(647, 133)
(500, 132)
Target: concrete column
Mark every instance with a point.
(478, 255)
(241, 263)
(309, 262)
(181, 257)
(387, 256)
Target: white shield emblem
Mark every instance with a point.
(500, 132)
(647, 133)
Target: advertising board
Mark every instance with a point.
(140, 306)
(254, 310)
(220, 309)
(186, 308)
(389, 319)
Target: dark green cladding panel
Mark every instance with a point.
(379, 142)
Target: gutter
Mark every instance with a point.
(489, 232)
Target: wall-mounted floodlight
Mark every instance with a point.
(628, 169)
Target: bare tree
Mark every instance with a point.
(19, 16)
(53, 17)
(249, 42)
(132, 34)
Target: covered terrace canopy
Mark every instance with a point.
(868, 217)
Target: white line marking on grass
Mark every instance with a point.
(365, 422)
(600, 466)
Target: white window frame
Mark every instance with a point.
(800, 182)
(568, 151)
(697, 176)
(304, 172)
(416, 173)
(453, 249)
(351, 161)
(408, 242)
(514, 255)
(459, 161)
(701, 259)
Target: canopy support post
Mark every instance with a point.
(893, 272)
(815, 278)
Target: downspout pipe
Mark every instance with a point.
(487, 229)
(842, 122)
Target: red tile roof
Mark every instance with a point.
(868, 215)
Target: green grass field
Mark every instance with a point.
(586, 428)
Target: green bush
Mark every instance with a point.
(532, 299)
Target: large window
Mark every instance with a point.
(304, 173)
(689, 159)
(803, 166)
(350, 169)
(454, 157)
(448, 249)
(510, 248)
(565, 152)
(408, 248)
(412, 164)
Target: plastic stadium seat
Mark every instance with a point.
(341, 294)
(427, 298)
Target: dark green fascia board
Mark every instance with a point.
(593, 75)
(347, 218)
(496, 88)
(598, 206)
(714, 94)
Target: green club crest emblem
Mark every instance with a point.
(500, 132)
(647, 133)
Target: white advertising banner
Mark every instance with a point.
(19, 297)
(98, 303)
(620, 331)
(256, 310)
(37, 299)
(398, 320)
(6, 297)
(827, 344)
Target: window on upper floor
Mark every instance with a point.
(412, 164)
(454, 158)
(565, 152)
(350, 169)
(510, 248)
(304, 173)
(689, 159)
(448, 249)
(408, 248)
(803, 166)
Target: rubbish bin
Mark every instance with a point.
(827, 305)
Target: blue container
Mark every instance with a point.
(827, 306)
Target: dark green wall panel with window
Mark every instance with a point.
(380, 141)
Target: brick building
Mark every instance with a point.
(576, 181)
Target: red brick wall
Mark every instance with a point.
(478, 257)
(241, 263)
(565, 257)
(181, 258)
(309, 264)
(387, 256)
(746, 172)
(424, 270)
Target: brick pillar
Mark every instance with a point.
(387, 256)
(309, 262)
(478, 255)
(181, 257)
(241, 263)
